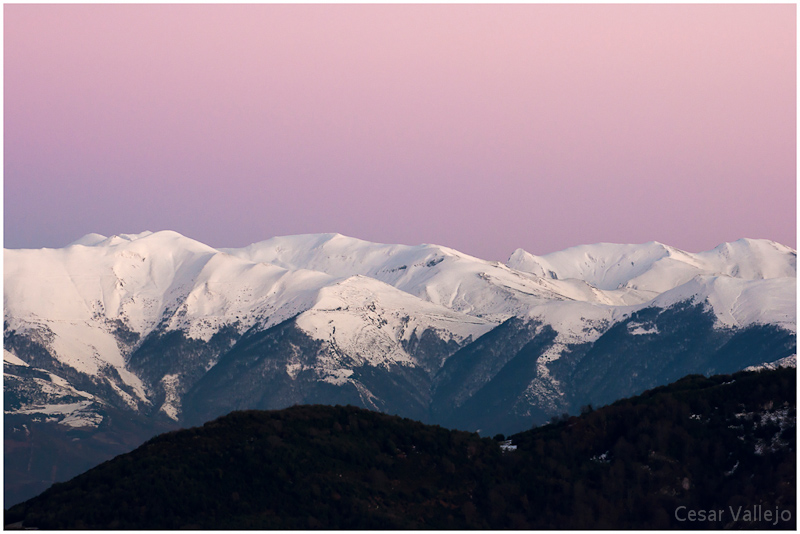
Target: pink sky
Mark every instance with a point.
(480, 127)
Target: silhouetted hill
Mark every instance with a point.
(721, 443)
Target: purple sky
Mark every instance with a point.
(480, 127)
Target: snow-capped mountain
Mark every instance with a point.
(656, 267)
(171, 331)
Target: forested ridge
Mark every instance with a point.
(727, 442)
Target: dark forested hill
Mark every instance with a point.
(722, 449)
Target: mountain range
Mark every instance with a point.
(109, 340)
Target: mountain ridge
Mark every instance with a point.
(164, 280)
(170, 329)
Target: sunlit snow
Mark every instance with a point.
(91, 302)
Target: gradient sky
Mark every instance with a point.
(480, 127)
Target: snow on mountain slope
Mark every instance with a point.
(90, 302)
(744, 283)
(603, 265)
(655, 268)
(334, 254)
(138, 279)
(143, 279)
(76, 299)
(574, 322)
(9, 358)
(789, 361)
(231, 290)
(738, 302)
(361, 312)
(752, 259)
(735, 302)
(46, 395)
(434, 273)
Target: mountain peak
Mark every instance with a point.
(748, 243)
(99, 240)
(89, 240)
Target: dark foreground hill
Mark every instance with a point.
(701, 453)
